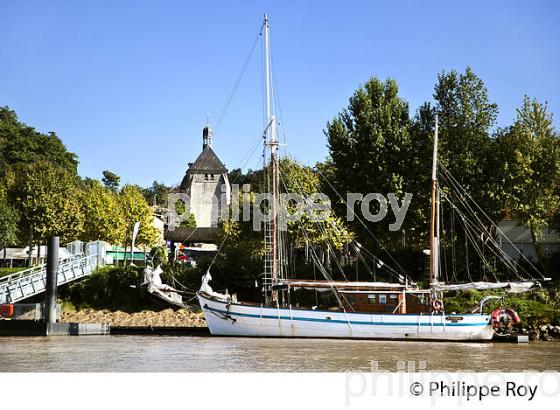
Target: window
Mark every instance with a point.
(371, 298)
(393, 297)
(383, 299)
(206, 177)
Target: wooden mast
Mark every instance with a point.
(434, 240)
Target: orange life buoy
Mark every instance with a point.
(513, 315)
(496, 313)
(508, 314)
(6, 310)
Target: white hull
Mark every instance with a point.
(235, 319)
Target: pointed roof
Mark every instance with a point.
(207, 163)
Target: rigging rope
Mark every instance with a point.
(363, 224)
(236, 84)
(481, 231)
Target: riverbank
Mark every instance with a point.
(163, 318)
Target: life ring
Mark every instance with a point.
(496, 314)
(437, 305)
(513, 315)
(504, 315)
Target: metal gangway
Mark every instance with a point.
(30, 282)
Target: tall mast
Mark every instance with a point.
(434, 225)
(272, 142)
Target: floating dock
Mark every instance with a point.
(41, 328)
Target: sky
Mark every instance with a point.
(129, 85)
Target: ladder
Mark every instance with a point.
(267, 261)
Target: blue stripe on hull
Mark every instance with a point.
(352, 322)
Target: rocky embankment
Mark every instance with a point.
(543, 332)
(167, 317)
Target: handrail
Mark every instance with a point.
(40, 268)
(7, 278)
(29, 282)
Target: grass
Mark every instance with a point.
(9, 271)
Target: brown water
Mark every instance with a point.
(216, 354)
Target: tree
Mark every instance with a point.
(466, 117)
(530, 153)
(21, 144)
(246, 260)
(111, 180)
(369, 144)
(103, 216)
(156, 194)
(8, 225)
(181, 208)
(48, 200)
(135, 209)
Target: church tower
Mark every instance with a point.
(207, 185)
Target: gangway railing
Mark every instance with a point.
(30, 282)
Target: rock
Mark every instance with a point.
(534, 335)
(166, 317)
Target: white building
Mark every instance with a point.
(520, 238)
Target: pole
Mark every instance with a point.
(434, 248)
(273, 143)
(30, 253)
(52, 269)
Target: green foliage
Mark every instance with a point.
(9, 271)
(37, 183)
(375, 146)
(369, 144)
(156, 194)
(540, 306)
(103, 215)
(48, 199)
(111, 180)
(135, 208)
(111, 287)
(8, 224)
(530, 154)
(180, 209)
(158, 255)
(21, 144)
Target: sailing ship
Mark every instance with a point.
(414, 313)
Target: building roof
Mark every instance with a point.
(22, 253)
(207, 163)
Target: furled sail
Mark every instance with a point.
(339, 285)
(152, 278)
(514, 287)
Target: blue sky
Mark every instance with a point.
(127, 85)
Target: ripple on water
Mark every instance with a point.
(203, 354)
